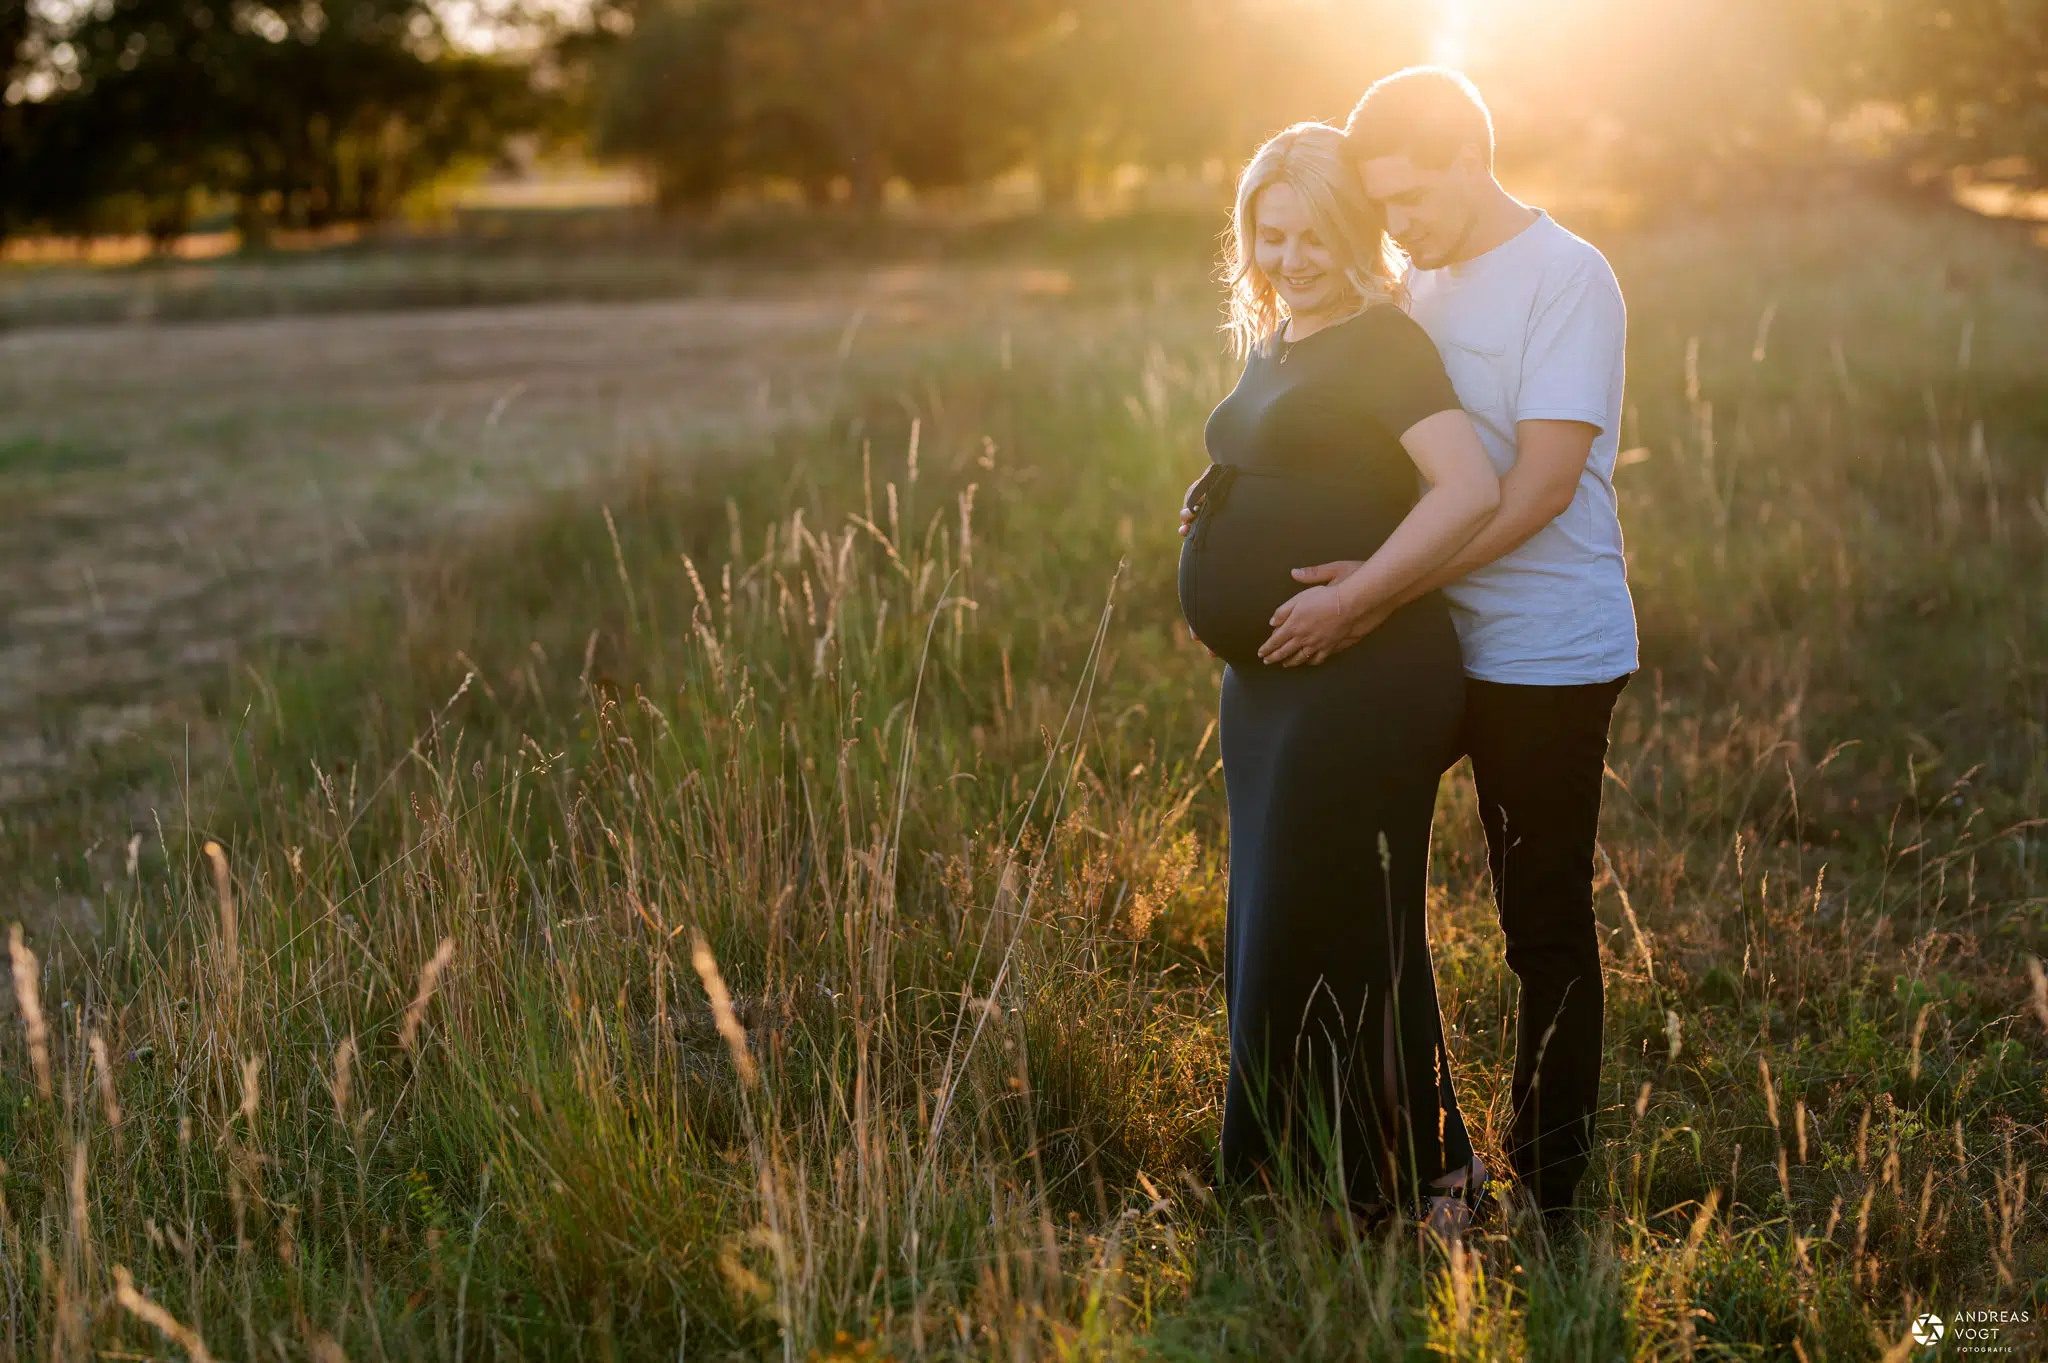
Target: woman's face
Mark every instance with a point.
(1290, 254)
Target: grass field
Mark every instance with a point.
(768, 904)
(172, 494)
(539, 257)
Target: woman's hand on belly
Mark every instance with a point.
(1189, 505)
(1315, 624)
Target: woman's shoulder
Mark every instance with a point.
(1403, 373)
(1384, 329)
(1385, 319)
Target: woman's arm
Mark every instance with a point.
(1463, 493)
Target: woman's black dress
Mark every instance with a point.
(1336, 1061)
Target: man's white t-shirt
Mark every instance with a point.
(1533, 330)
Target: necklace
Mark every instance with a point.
(1285, 347)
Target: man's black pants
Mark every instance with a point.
(1538, 755)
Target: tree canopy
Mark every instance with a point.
(319, 112)
(1697, 98)
(129, 112)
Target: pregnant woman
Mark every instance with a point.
(1338, 714)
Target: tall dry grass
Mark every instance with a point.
(772, 909)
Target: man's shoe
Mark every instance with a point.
(1457, 1208)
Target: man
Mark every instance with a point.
(1530, 323)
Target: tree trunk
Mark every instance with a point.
(251, 221)
(169, 219)
(867, 172)
(1059, 182)
(869, 179)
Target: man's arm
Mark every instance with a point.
(1549, 457)
(1570, 358)
(1463, 492)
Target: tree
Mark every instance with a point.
(1695, 100)
(667, 99)
(319, 112)
(1970, 76)
(916, 88)
(16, 22)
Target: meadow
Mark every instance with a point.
(766, 901)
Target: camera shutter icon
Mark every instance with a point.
(1929, 1328)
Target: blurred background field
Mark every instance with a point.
(597, 756)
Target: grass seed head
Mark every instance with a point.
(103, 1071)
(721, 1009)
(149, 1313)
(28, 996)
(343, 1078)
(252, 1093)
(224, 890)
(430, 977)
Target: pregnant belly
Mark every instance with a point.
(1236, 565)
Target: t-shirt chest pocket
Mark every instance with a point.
(1477, 367)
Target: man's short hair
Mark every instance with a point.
(1425, 113)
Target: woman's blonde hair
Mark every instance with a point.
(1309, 157)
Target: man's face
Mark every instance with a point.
(1429, 212)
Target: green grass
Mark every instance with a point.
(335, 281)
(31, 455)
(619, 258)
(910, 755)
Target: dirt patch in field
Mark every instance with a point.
(169, 494)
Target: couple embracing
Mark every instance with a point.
(1400, 314)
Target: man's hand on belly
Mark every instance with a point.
(1327, 574)
(1314, 624)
